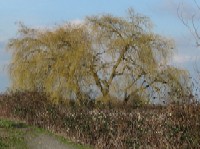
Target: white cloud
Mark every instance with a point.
(180, 59)
(77, 22)
(55, 26)
(171, 7)
(189, 9)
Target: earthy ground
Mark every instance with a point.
(15, 135)
(44, 141)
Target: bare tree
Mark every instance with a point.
(192, 23)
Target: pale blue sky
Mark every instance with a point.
(48, 13)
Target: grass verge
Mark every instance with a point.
(12, 135)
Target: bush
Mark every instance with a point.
(172, 126)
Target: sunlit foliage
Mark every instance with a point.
(118, 56)
(50, 61)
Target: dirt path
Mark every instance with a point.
(44, 141)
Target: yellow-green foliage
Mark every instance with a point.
(49, 60)
(114, 54)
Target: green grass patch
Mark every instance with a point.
(11, 124)
(10, 136)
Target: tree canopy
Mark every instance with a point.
(100, 57)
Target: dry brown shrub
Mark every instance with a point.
(110, 126)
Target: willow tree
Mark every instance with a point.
(132, 59)
(112, 54)
(49, 60)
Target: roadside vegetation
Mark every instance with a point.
(109, 126)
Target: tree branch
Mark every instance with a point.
(113, 73)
